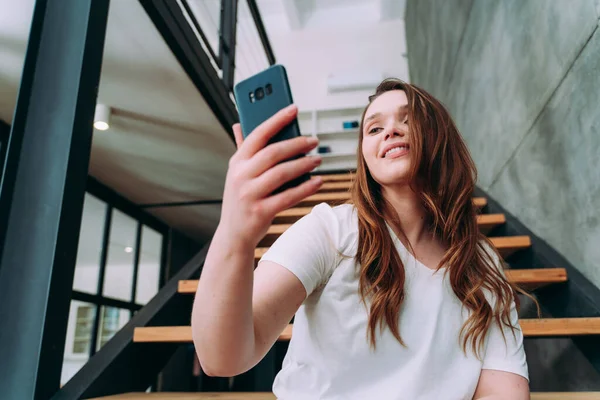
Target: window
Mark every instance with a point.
(83, 329)
(119, 262)
(111, 320)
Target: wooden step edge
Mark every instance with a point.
(271, 396)
(339, 196)
(180, 334)
(336, 177)
(506, 245)
(544, 327)
(484, 221)
(335, 186)
(532, 279)
(526, 278)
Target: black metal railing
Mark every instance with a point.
(233, 34)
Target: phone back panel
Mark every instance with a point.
(255, 112)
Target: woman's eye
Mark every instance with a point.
(374, 130)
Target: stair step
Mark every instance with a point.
(271, 396)
(505, 245)
(335, 186)
(291, 215)
(180, 334)
(529, 279)
(508, 245)
(337, 177)
(336, 198)
(545, 327)
(486, 223)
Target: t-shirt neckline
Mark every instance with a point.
(403, 248)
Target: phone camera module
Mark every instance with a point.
(268, 89)
(259, 93)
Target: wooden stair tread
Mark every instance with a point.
(531, 279)
(526, 278)
(271, 396)
(506, 245)
(336, 177)
(335, 186)
(486, 222)
(180, 334)
(342, 197)
(545, 327)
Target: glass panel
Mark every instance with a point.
(208, 15)
(149, 267)
(79, 336)
(250, 55)
(90, 245)
(118, 280)
(111, 320)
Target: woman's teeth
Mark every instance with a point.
(394, 150)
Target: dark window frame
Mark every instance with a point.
(99, 301)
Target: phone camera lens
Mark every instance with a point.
(269, 89)
(260, 93)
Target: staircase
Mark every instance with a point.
(335, 191)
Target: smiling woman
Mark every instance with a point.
(392, 293)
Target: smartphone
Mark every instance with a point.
(261, 96)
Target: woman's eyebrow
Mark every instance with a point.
(372, 116)
(402, 110)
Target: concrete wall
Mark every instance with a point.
(522, 80)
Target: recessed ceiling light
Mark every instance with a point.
(102, 117)
(128, 249)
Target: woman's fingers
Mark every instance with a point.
(259, 137)
(291, 197)
(237, 133)
(275, 153)
(273, 178)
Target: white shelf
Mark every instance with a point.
(336, 155)
(355, 109)
(341, 132)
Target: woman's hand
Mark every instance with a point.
(254, 173)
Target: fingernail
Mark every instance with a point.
(317, 180)
(290, 109)
(316, 159)
(312, 140)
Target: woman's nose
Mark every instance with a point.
(392, 132)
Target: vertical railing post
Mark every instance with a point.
(42, 191)
(227, 42)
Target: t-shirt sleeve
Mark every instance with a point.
(506, 356)
(308, 248)
(505, 352)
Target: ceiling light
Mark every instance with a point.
(102, 117)
(128, 249)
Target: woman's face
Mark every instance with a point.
(385, 144)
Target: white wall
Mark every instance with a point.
(311, 55)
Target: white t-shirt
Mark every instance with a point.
(329, 356)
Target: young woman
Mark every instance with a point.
(396, 295)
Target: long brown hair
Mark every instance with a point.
(445, 174)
